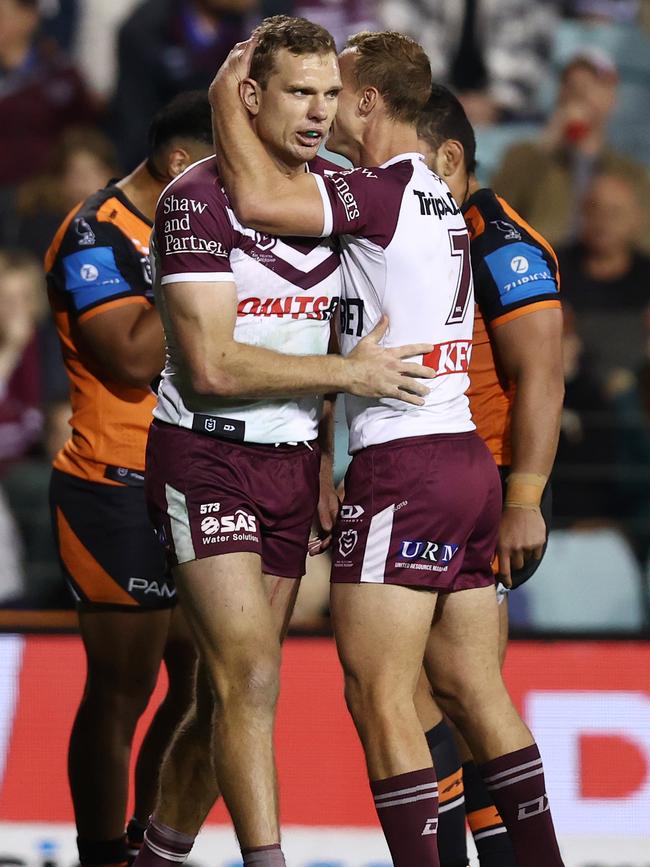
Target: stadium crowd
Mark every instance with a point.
(559, 94)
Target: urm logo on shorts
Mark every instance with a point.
(436, 552)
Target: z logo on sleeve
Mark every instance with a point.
(520, 272)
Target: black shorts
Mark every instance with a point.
(107, 547)
(520, 576)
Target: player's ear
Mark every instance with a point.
(249, 91)
(368, 100)
(177, 161)
(451, 157)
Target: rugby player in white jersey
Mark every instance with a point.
(232, 475)
(418, 528)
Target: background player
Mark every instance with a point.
(405, 252)
(516, 391)
(232, 462)
(100, 290)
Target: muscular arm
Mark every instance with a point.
(128, 342)
(260, 194)
(529, 349)
(203, 319)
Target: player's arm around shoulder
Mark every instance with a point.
(260, 193)
(203, 317)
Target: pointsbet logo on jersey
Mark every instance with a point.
(425, 555)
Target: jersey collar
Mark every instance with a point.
(400, 158)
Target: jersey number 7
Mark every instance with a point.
(459, 242)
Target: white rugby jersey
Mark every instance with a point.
(287, 292)
(404, 252)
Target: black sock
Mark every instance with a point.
(134, 838)
(452, 843)
(490, 836)
(101, 852)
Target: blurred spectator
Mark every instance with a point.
(165, 47)
(605, 279)
(341, 17)
(631, 413)
(25, 485)
(96, 43)
(582, 479)
(546, 180)
(41, 93)
(493, 53)
(23, 306)
(84, 161)
(60, 20)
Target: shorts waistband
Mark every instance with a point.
(423, 439)
(125, 476)
(236, 442)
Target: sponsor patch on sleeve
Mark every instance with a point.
(520, 272)
(92, 276)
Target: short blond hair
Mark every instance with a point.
(398, 67)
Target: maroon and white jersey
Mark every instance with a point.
(404, 252)
(287, 292)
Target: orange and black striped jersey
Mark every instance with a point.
(99, 260)
(515, 273)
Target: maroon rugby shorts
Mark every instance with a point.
(420, 512)
(209, 496)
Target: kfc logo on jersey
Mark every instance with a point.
(452, 357)
(434, 554)
(348, 542)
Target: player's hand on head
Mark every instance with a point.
(233, 70)
(377, 371)
(522, 535)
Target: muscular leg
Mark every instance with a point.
(180, 658)
(381, 633)
(188, 779)
(230, 724)
(452, 839)
(463, 665)
(123, 650)
(449, 750)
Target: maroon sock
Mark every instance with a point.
(163, 847)
(516, 783)
(264, 856)
(407, 806)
